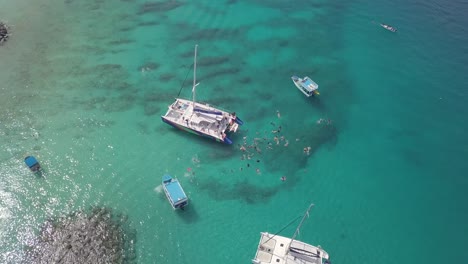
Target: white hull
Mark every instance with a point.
(302, 90)
(280, 250)
(204, 120)
(308, 88)
(284, 250)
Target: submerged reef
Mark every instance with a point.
(4, 32)
(88, 236)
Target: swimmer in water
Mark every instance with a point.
(283, 178)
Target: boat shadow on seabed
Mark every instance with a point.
(188, 213)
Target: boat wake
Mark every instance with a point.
(158, 189)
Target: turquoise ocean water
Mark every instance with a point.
(83, 85)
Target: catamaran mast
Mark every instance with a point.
(194, 76)
(300, 224)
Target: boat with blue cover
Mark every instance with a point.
(32, 163)
(200, 118)
(306, 85)
(174, 192)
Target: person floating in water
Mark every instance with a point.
(283, 178)
(307, 150)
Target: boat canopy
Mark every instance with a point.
(166, 178)
(308, 84)
(175, 191)
(30, 161)
(207, 111)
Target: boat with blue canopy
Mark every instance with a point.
(32, 163)
(174, 192)
(306, 85)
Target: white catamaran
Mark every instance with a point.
(283, 250)
(200, 118)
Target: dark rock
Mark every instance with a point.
(88, 236)
(4, 32)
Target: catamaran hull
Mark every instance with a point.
(239, 121)
(189, 130)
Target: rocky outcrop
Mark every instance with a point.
(4, 32)
(96, 236)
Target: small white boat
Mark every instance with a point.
(388, 27)
(306, 86)
(174, 192)
(273, 248)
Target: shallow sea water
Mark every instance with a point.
(84, 83)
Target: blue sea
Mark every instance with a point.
(83, 85)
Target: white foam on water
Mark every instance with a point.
(158, 189)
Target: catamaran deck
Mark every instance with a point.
(199, 118)
(203, 118)
(273, 249)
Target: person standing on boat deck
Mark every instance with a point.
(233, 118)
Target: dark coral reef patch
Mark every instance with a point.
(4, 32)
(96, 235)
